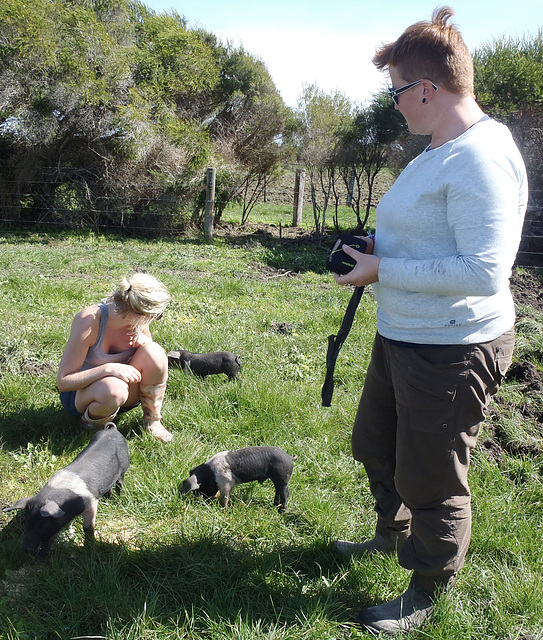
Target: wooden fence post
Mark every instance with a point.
(299, 185)
(210, 202)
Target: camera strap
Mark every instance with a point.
(335, 343)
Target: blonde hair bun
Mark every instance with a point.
(142, 294)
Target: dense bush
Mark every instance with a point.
(109, 113)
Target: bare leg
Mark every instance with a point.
(100, 401)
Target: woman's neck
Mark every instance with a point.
(461, 114)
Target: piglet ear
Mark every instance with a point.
(190, 484)
(51, 510)
(20, 504)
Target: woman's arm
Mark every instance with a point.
(465, 222)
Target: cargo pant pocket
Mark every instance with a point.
(429, 393)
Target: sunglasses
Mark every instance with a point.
(394, 93)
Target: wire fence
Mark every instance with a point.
(159, 215)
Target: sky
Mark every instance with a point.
(330, 43)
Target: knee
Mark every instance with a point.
(418, 494)
(113, 391)
(150, 357)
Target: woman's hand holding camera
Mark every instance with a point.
(366, 270)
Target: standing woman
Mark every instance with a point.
(447, 233)
(111, 362)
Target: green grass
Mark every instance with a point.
(281, 216)
(171, 567)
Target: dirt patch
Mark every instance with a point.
(528, 374)
(527, 288)
(493, 451)
(31, 368)
(498, 443)
(252, 233)
(284, 328)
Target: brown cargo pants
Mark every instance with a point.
(418, 420)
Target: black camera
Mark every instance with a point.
(338, 261)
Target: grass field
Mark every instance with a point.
(171, 567)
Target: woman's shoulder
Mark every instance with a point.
(485, 145)
(485, 137)
(92, 312)
(87, 319)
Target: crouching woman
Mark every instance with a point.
(111, 363)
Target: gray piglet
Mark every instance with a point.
(228, 468)
(75, 489)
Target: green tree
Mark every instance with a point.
(172, 64)
(509, 87)
(320, 119)
(109, 112)
(364, 148)
(59, 71)
(247, 130)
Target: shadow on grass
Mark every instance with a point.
(300, 252)
(54, 426)
(296, 254)
(194, 585)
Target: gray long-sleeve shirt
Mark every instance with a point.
(448, 232)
